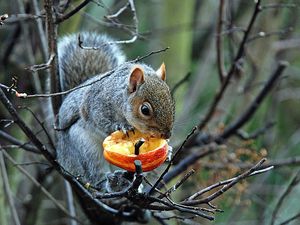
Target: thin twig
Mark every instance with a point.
(295, 180)
(226, 187)
(28, 49)
(219, 46)
(24, 95)
(119, 12)
(7, 189)
(263, 34)
(42, 66)
(149, 54)
(171, 206)
(21, 17)
(230, 73)
(51, 28)
(245, 136)
(70, 201)
(41, 125)
(73, 12)
(19, 144)
(179, 183)
(254, 105)
(292, 161)
(278, 5)
(290, 219)
(180, 82)
(36, 183)
(172, 161)
(190, 160)
(224, 182)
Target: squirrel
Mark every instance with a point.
(112, 95)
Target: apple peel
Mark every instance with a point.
(119, 150)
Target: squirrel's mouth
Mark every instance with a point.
(153, 131)
(158, 134)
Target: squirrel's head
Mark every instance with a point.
(151, 108)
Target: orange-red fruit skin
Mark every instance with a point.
(150, 160)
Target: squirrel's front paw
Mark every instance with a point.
(125, 128)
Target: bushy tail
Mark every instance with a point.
(76, 64)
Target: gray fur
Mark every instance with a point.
(89, 114)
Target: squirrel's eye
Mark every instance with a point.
(146, 109)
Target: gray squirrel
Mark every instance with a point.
(114, 94)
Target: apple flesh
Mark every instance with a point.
(119, 150)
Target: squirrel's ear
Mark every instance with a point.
(136, 78)
(161, 72)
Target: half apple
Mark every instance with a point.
(121, 150)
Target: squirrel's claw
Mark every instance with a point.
(125, 128)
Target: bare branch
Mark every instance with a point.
(226, 187)
(190, 160)
(180, 82)
(295, 180)
(119, 12)
(149, 54)
(179, 183)
(172, 160)
(278, 5)
(43, 66)
(225, 182)
(36, 183)
(7, 189)
(70, 201)
(245, 136)
(291, 219)
(19, 144)
(24, 95)
(51, 28)
(254, 105)
(41, 125)
(219, 47)
(232, 69)
(73, 12)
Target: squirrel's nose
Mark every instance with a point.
(166, 135)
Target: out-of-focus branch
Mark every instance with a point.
(226, 187)
(291, 219)
(291, 161)
(41, 125)
(51, 28)
(295, 180)
(231, 129)
(29, 50)
(190, 160)
(7, 189)
(171, 161)
(16, 18)
(225, 182)
(245, 117)
(36, 183)
(245, 136)
(219, 46)
(73, 12)
(12, 140)
(180, 82)
(232, 69)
